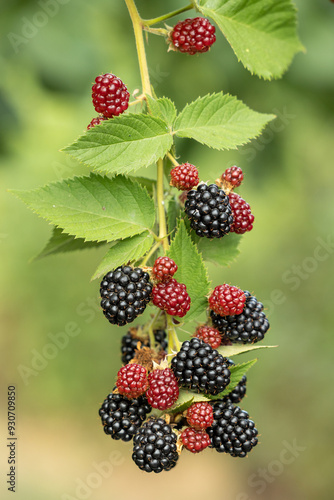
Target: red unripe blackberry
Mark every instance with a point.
(171, 297)
(200, 368)
(233, 175)
(242, 216)
(163, 389)
(200, 416)
(125, 293)
(209, 335)
(193, 35)
(232, 430)
(209, 211)
(110, 95)
(248, 327)
(132, 380)
(96, 121)
(195, 441)
(227, 300)
(122, 417)
(238, 392)
(164, 269)
(130, 343)
(184, 177)
(154, 446)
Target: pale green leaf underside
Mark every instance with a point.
(124, 251)
(185, 399)
(95, 208)
(123, 144)
(61, 242)
(191, 271)
(262, 33)
(162, 108)
(229, 351)
(220, 121)
(221, 251)
(237, 372)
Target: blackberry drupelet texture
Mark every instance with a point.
(132, 380)
(193, 35)
(195, 441)
(122, 417)
(233, 176)
(200, 368)
(246, 328)
(154, 446)
(110, 95)
(209, 335)
(163, 389)
(209, 211)
(125, 293)
(184, 177)
(227, 300)
(200, 416)
(238, 392)
(130, 343)
(171, 297)
(242, 216)
(232, 431)
(163, 269)
(96, 121)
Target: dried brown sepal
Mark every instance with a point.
(223, 184)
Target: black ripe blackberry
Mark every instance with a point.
(245, 328)
(122, 417)
(125, 293)
(232, 431)
(154, 446)
(209, 211)
(130, 344)
(200, 368)
(238, 392)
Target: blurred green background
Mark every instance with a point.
(287, 260)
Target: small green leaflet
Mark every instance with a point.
(95, 208)
(262, 33)
(124, 251)
(229, 351)
(173, 212)
(149, 184)
(220, 121)
(191, 271)
(220, 251)
(162, 108)
(185, 399)
(123, 144)
(237, 372)
(61, 242)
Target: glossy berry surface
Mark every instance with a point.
(125, 293)
(227, 300)
(163, 389)
(171, 297)
(233, 176)
(209, 335)
(121, 417)
(154, 446)
(195, 441)
(248, 327)
(132, 380)
(164, 269)
(209, 211)
(232, 430)
(193, 36)
(184, 177)
(96, 121)
(200, 416)
(130, 343)
(200, 368)
(242, 216)
(110, 95)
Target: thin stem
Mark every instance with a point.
(161, 205)
(149, 22)
(172, 159)
(138, 30)
(156, 31)
(170, 334)
(150, 253)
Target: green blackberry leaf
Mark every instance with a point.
(162, 108)
(173, 213)
(123, 144)
(262, 33)
(61, 242)
(220, 121)
(124, 251)
(221, 251)
(237, 372)
(94, 208)
(149, 184)
(191, 271)
(185, 399)
(228, 351)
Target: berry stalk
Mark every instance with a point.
(150, 22)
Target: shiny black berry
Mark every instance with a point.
(209, 211)
(200, 368)
(122, 417)
(232, 431)
(125, 293)
(130, 343)
(246, 328)
(154, 446)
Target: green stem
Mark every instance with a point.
(172, 159)
(150, 253)
(149, 22)
(161, 205)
